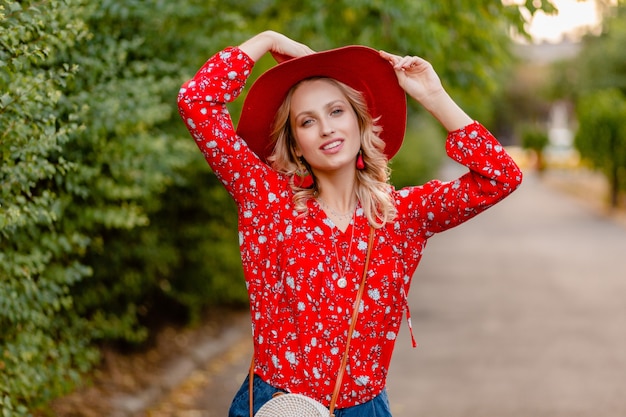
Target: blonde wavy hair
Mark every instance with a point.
(372, 184)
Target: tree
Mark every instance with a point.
(535, 138)
(601, 136)
(596, 81)
(602, 61)
(467, 41)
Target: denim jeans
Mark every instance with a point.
(240, 407)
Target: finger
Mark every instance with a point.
(408, 62)
(298, 51)
(303, 50)
(389, 57)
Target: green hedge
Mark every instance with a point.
(108, 213)
(38, 261)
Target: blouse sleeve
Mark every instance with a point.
(492, 176)
(202, 106)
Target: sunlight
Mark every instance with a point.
(574, 19)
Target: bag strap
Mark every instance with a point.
(355, 315)
(344, 360)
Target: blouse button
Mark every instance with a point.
(342, 282)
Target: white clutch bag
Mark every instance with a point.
(292, 405)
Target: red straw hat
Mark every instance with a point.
(360, 67)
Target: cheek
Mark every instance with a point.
(356, 132)
(302, 142)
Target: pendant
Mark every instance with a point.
(342, 282)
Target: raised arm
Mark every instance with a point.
(202, 104)
(280, 46)
(492, 175)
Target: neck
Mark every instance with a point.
(339, 196)
(337, 188)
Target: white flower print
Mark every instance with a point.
(362, 380)
(276, 362)
(291, 357)
(374, 294)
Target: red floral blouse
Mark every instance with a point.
(293, 263)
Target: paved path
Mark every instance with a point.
(519, 312)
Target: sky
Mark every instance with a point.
(572, 15)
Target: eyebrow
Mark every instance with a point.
(326, 106)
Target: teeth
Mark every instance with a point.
(332, 144)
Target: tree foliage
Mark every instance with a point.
(601, 137)
(599, 89)
(108, 214)
(602, 62)
(467, 41)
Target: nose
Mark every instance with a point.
(326, 128)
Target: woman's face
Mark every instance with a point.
(324, 125)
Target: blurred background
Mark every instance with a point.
(118, 247)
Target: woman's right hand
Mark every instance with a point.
(280, 46)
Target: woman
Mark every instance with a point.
(308, 169)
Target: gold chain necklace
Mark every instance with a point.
(340, 216)
(342, 282)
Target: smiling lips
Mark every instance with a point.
(332, 145)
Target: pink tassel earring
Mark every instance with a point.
(303, 179)
(360, 163)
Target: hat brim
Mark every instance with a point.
(359, 67)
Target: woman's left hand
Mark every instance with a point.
(415, 75)
(418, 78)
